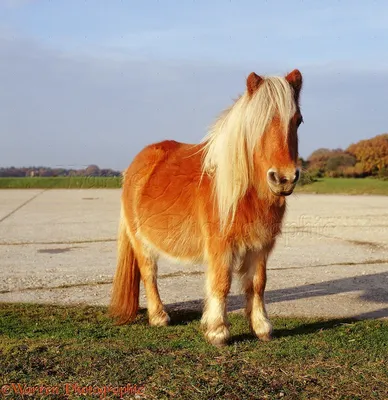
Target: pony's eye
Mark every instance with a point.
(299, 121)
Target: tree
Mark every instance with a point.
(329, 162)
(92, 170)
(340, 160)
(371, 154)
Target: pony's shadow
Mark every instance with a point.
(183, 316)
(369, 285)
(300, 330)
(190, 311)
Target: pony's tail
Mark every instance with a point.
(125, 293)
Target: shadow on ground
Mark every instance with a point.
(373, 288)
(183, 316)
(184, 312)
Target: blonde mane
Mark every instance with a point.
(231, 141)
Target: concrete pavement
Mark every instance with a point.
(58, 246)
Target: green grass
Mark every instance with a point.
(308, 358)
(61, 182)
(322, 186)
(346, 186)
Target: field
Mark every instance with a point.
(322, 186)
(346, 186)
(308, 358)
(61, 182)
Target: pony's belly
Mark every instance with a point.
(166, 215)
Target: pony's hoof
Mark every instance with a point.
(218, 336)
(263, 330)
(160, 319)
(267, 337)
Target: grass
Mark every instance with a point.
(346, 186)
(308, 359)
(322, 186)
(61, 182)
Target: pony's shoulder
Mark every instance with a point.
(168, 156)
(156, 152)
(165, 145)
(174, 150)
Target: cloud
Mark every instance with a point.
(61, 109)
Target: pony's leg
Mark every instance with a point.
(254, 279)
(148, 271)
(214, 319)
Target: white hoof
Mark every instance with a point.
(262, 329)
(160, 319)
(218, 336)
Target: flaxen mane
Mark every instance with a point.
(231, 141)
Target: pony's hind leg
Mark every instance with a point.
(254, 278)
(148, 271)
(214, 319)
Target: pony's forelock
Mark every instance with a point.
(231, 141)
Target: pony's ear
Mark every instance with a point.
(253, 82)
(294, 78)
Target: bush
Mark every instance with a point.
(306, 178)
(350, 172)
(383, 174)
(316, 172)
(341, 160)
(331, 163)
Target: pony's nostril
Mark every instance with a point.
(288, 178)
(297, 174)
(273, 176)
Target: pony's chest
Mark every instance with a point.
(260, 227)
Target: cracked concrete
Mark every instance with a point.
(59, 246)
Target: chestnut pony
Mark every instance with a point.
(220, 202)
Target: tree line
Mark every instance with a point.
(91, 170)
(362, 159)
(365, 158)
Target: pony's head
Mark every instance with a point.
(276, 153)
(254, 143)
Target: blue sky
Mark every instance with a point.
(94, 81)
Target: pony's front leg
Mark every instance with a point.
(219, 276)
(254, 281)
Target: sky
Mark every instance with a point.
(93, 82)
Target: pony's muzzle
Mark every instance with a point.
(282, 184)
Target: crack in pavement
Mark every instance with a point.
(98, 283)
(179, 274)
(372, 245)
(22, 205)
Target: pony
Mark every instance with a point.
(220, 203)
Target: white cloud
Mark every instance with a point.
(58, 109)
